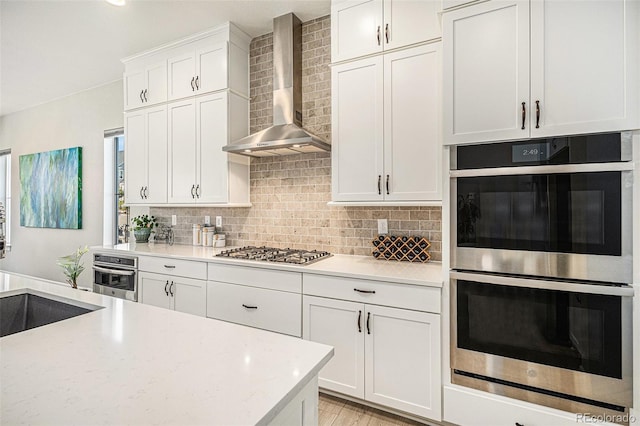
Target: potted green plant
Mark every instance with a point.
(71, 266)
(142, 227)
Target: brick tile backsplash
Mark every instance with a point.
(289, 194)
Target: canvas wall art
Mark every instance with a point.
(51, 189)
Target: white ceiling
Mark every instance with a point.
(53, 48)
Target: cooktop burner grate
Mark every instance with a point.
(272, 254)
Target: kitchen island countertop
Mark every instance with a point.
(130, 363)
(342, 265)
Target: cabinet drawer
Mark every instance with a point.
(256, 307)
(256, 277)
(374, 292)
(498, 411)
(180, 268)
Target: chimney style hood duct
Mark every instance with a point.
(286, 136)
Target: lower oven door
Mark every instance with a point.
(117, 282)
(568, 340)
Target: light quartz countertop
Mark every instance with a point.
(130, 363)
(364, 267)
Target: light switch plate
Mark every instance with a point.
(207, 220)
(383, 226)
(174, 220)
(218, 221)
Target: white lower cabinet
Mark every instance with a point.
(263, 298)
(497, 410)
(171, 292)
(271, 310)
(383, 355)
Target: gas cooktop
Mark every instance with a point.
(271, 254)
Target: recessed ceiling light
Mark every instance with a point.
(116, 2)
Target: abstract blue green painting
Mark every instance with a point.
(51, 189)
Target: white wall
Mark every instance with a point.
(76, 120)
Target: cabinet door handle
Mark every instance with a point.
(141, 100)
(387, 184)
(386, 32)
(368, 320)
(365, 291)
(141, 189)
(197, 86)
(165, 287)
(193, 188)
(249, 306)
(171, 289)
(519, 424)
(193, 89)
(524, 115)
(144, 93)
(359, 318)
(379, 184)
(378, 35)
(170, 266)
(537, 114)
(146, 192)
(198, 191)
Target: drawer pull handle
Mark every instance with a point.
(249, 307)
(170, 266)
(359, 318)
(368, 320)
(165, 288)
(365, 291)
(519, 424)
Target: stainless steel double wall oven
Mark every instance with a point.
(541, 295)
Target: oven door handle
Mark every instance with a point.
(113, 271)
(542, 170)
(610, 290)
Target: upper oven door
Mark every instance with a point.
(570, 221)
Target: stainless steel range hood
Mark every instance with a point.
(286, 136)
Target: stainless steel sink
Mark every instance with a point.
(24, 311)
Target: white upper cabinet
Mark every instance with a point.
(198, 68)
(386, 127)
(486, 72)
(146, 155)
(145, 85)
(410, 21)
(412, 148)
(357, 130)
(206, 79)
(364, 27)
(520, 69)
(584, 67)
(199, 171)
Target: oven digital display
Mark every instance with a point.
(525, 153)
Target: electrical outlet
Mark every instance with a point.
(383, 226)
(207, 220)
(174, 220)
(218, 221)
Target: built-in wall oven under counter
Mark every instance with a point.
(116, 276)
(541, 258)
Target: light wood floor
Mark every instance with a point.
(338, 412)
